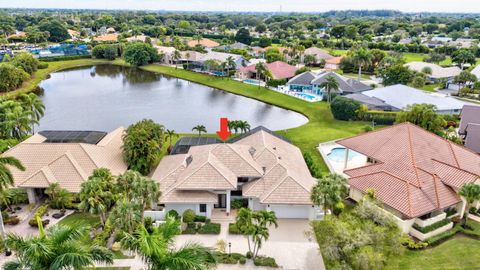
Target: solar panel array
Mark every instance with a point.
(70, 136)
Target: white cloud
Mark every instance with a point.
(254, 5)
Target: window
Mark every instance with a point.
(203, 208)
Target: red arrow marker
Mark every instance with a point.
(223, 133)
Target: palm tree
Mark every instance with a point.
(198, 38)
(96, 196)
(232, 125)
(244, 221)
(231, 64)
(187, 56)
(362, 57)
(176, 55)
(200, 129)
(6, 180)
(328, 191)
(262, 70)
(126, 215)
(170, 135)
(16, 120)
(35, 106)
(156, 245)
(471, 193)
(329, 84)
(60, 247)
(59, 197)
(244, 126)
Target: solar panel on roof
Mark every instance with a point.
(70, 136)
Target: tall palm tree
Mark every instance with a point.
(157, 247)
(328, 191)
(244, 126)
(232, 125)
(471, 193)
(60, 247)
(362, 57)
(329, 84)
(16, 119)
(200, 129)
(59, 197)
(176, 55)
(170, 135)
(231, 64)
(36, 107)
(262, 70)
(96, 196)
(6, 180)
(126, 215)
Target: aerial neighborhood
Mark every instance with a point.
(144, 138)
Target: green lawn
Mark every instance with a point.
(431, 87)
(320, 128)
(457, 253)
(76, 219)
(418, 57)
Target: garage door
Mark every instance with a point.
(291, 211)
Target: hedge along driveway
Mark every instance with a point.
(321, 127)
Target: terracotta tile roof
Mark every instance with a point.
(204, 42)
(282, 175)
(278, 69)
(107, 37)
(415, 172)
(66, 163)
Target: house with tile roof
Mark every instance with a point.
(416, 174)
(204, 42)
(260, 167)
(469, 128)
(438, 72)
(65, 157)
(319, 54)
(278, 69)
(310, 82)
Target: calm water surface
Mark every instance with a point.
(105, 97)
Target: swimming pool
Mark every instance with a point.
(309, 97)
(252, 81)
(338, 154)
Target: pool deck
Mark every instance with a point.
(339, 167)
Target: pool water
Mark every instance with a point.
(308, 96)
(338, 154)
(252, 81)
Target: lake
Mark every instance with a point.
(105, 97)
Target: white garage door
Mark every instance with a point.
(291, 211)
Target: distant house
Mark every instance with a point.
(65, 157)
(333, 63)
(310, 82)
(318, 53)
(279, 70)
(141, 38)
(107, 38)
(167, 53)
(438, 72)
(476, 72)
(399, 97)
(196, 60)
(73, 34)
(204, 42)
(470, 127)
(110, 30)
(234, 46)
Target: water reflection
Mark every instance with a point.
(105, 97)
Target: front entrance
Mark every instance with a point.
(222, 201)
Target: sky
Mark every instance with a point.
(254, 5)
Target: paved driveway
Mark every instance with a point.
(289, 244)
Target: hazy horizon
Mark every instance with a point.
(460, 6)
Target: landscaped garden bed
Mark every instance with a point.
(198, 224)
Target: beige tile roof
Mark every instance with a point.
(66, 163)
(204, 42)
(437, 71)
(283, 177)
(416, 171)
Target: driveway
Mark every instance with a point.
(290, 244)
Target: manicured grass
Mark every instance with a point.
(76, 219)
(457, 253)
(321, 127)
(418, 57)
(430, 87)
(41, 74)
(355, 75)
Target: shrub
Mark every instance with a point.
(191, 228)
(344, 108)
(312, 166)
(107, 51)
(139, 54)
(188, 216)
(173, 213)
(367, 128)
(42, 65)
(200, 219)
(440, 238)
(242, 260)
(472, 210)
(225, 258)
(275, 83)
(379, 117)
(63, 58)
(237, 204)
(249, 255)
(11, 77)
(338, 209)
(210, 228)
(433, 226)
(13, 220)
(34, 223)
(233, 229)
(411, 244)
(25, 61)
(265, 261)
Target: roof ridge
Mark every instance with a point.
(436, 190)
(82, 146)
(238, 154)
(458, 168)
(41, 170)
(409, 199)
(412, 155)
(274, 187)
(75, 164)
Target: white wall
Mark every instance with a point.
(430, 221)
(255, 204)
(422, 236)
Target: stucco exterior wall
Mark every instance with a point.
(422, 236)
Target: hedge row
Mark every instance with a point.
(379, 117)
(62, 58)
(432, 227)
